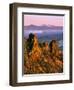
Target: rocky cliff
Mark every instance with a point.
(42, 57)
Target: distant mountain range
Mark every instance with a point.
(42, 27)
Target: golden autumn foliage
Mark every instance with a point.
(42, 58)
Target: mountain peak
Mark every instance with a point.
(42, 27)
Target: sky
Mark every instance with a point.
(43, 20)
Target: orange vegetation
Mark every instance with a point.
(42, 57)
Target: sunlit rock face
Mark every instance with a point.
(35, 50)
(42, 57)
(54, 49)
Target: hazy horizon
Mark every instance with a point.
(46, 27)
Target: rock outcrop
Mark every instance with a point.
(42, 57)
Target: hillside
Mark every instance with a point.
(42, 57)
(43, 27)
